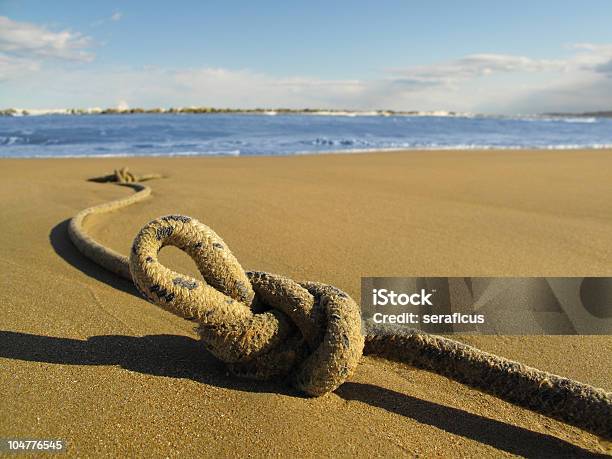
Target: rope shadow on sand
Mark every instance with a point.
(174, 356)
(184, 357)
(58, 237)
(506, 437)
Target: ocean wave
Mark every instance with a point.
(594, 146)
(458, 147)
(551, 119)
(28, 139)
(128, 155)
(235, 153)
(231, 135)
(342, 142)
(579, 120)
(9, 140)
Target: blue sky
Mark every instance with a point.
(437, 55)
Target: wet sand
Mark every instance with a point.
(85, 359)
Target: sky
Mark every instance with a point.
(468, 56)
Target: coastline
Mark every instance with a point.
(130, 377)
(459, 148)
(192, 110)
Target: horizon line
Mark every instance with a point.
(125, 110)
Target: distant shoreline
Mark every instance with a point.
(213, 111)
(279, 111)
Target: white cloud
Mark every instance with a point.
(13, 67)
(509, 84)
(34, 73)
(24, 47)
(153, 86)
(115, 17)
(585, 86)
(597, 48)
(474, 66)
(578, 93)
(30, 40)
(605, 68)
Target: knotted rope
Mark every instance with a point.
(268, 326)
(123, 175)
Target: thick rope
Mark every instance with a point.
(268, 326)
(104, 256)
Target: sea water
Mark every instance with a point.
(246, 135)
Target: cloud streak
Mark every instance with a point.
(25, 39)
(14, 67)
(115, 17)
(475, 66)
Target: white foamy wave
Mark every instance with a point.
(595, 146)
(457, 147)
(11, 140)
(579, 120)
(343, 142)
(201, 153)
(131, 155)
(551, 119)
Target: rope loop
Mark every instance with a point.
(262, 325)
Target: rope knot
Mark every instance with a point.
(262, 325)
(123, 176)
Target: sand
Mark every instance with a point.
(83, 358)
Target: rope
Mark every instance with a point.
(266, 326)
(103, 256)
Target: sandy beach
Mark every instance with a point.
(85, 359)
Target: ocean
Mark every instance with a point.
(246, 135)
